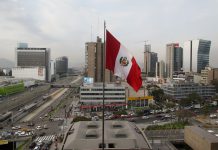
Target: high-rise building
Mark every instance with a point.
(150, 59)
(197, 52)
(61, 65)
(32, 58)
(174, 59)
(160, 69)
(94, 61)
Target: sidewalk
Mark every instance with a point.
(66, 126)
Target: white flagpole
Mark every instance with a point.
(104, 60)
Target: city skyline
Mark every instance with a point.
(64, 26)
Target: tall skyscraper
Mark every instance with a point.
(150, 59)
(174, 59)
(94, 61)
(61, 65)
(29, 57)
(160, 69)
(197, 55)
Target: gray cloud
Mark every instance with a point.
(65, 26)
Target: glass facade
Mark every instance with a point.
(197, 55)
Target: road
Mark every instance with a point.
(48, 103)
(58, 101)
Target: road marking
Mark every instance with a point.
(45, 138)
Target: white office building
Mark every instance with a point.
(179, 90)
(32, 59)
(91, 95)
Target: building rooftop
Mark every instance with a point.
(100, 84)
(118, 135)
(208, 134)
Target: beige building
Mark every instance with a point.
(150, 59)
(212, 74)
(94, 61)
(160, 69)
(200, 139)
(208, 74)
(204, 75)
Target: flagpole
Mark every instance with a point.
(104, 51)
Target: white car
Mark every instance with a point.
(155, 121)
(16, 128)
(38, 127)
(145, 117)
(213, 116)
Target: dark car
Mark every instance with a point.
(49, 142)
(45, 147)
(31, 124)
(42, 134)
(32, 145)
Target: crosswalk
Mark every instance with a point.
(45, 138)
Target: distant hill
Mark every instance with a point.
(5, 63)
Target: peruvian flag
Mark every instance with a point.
(121, 62)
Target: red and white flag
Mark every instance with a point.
(121, 62)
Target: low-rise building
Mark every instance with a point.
(179, 90)
(91, 95)
(118, 135)
(140, 101)
(37, 73)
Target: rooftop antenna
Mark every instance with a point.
(98, 26)
(91, 33)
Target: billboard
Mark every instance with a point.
(87, 80)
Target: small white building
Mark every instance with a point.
(37, 73)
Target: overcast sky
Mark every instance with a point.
(65, 25)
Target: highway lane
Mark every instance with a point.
(45, 105)
(59, 92)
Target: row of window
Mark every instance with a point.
(106, 98)
(102, 89)
(102, 94)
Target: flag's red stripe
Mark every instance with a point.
(134, 77)
(112, 50)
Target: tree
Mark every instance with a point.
(195, 98)
(158, 95)
(205, 109)
(2, 73)
(170, 105)
(185, 102)
(184, 115)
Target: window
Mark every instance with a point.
(111, 145)
(101, 145)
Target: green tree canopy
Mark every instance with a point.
(195, 98)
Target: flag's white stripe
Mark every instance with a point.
(123, 71)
